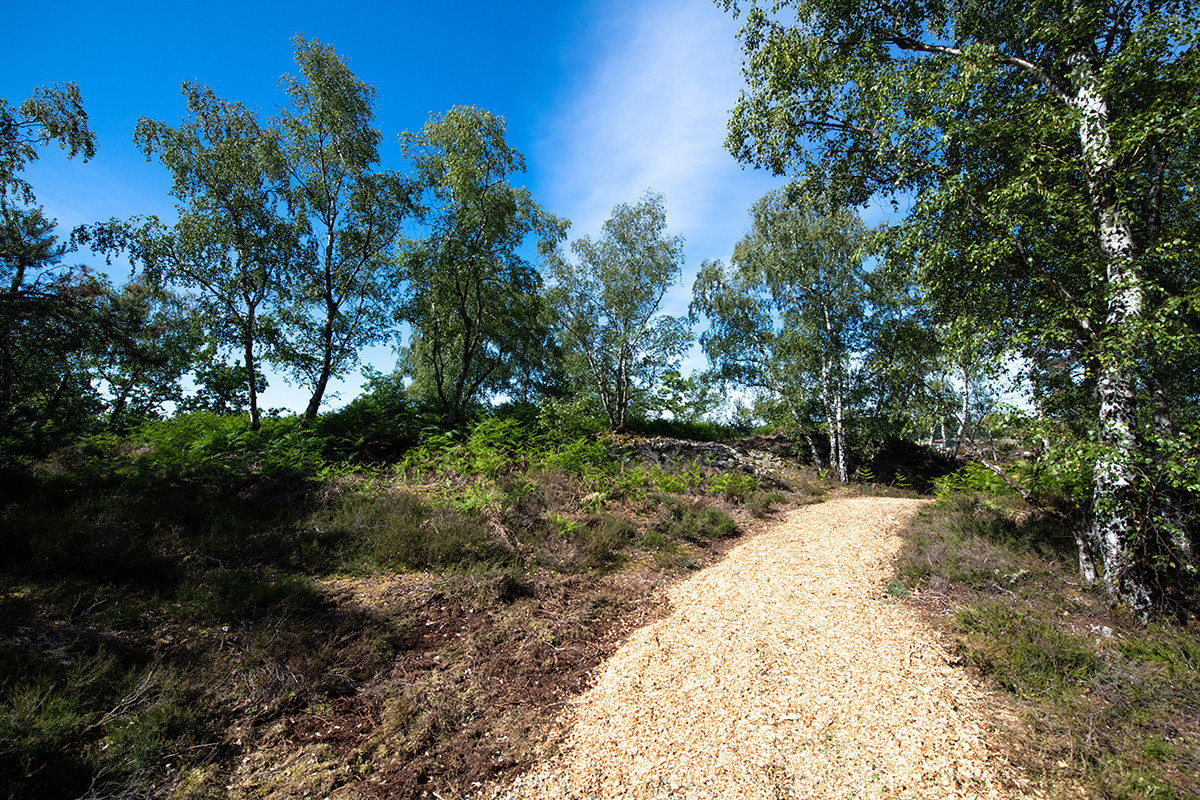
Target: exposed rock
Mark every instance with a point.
(763, 456)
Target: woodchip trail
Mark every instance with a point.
(783, 671)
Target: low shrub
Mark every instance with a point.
(691, 523)
(377, 427)
(240, 594)
(398, 529)
(583, 457)
(735, 487)
(202, 444)
(696, 431)
(1027, 654)
(760, 504)
(605, 537)
(971, 477)
(1107, 704)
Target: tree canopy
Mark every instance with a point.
(609, 305)
(232, 245)
(49, 311)
(350, 212)
(1048, 148)
(471, 296)
(789, 315)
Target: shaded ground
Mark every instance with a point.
(481, 670)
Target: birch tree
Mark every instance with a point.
(49, 310)
(788, 316)
(232, 247)
(609, 306)
(351, 212)
(1048, 148)
(470, 294)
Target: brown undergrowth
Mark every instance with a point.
(1095, 704)
(379, 635)
(479, 667)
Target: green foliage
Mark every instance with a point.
(673, 482)
(608, 307)
(633, 481)
(496, 443)
(221, 388)
(788, 316)
(64, 331)
(696, 430)
(204, 445)
(583, 457)
(231, 249)
(52, 114)
(151, 343)
(238, 594)
(351, 218)
(226, 447)
(971, 477)
(734, 486)
(571, 418)
(1073, 262)
(379, 425)
(470, 295)
(1029, 656)
(400, 530)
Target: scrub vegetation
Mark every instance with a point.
(210, 610)
(1095, 700)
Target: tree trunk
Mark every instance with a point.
(843, 474)
(1113, 529)
(251, 383)
(827, 402)
(962, 416)
(1087, 561)
(314, 403)
(812, 446)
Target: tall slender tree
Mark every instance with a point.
(233, 246)
(470, 295)
(351, 214)
(609, 306)
(788, 317)
(48, 309)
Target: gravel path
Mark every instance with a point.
(783, 671)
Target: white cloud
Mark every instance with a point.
(649, 111)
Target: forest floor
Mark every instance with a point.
(784, 670)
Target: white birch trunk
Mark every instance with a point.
(962, 415)
(843, 474)
(1112, 529)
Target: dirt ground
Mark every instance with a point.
(481, 670)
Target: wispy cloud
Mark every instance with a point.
(649, 111)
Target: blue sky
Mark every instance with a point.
(606, 99)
